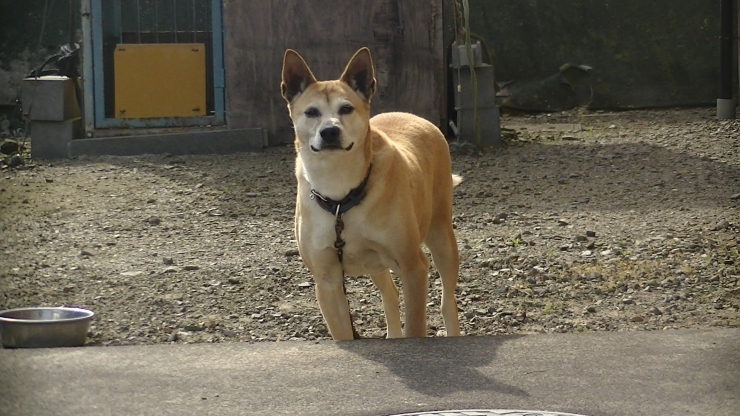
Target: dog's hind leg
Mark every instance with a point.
(441, 242)
(389, 295)
(415, 284)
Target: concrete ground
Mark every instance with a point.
(628, 373)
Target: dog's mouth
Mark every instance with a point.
(333, 147)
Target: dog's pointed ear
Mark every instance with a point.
(360, 74)
(296, 76)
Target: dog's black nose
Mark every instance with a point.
(330, 136)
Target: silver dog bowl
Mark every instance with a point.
(44, 327)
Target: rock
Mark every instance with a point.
(193, 327)
(586, 253)
(292, 253)
(305, 284)
(173, 336)
(591, 245)
(171, 269)
(168, 261)
(591, 234)
(591, 309)
(562, 222)
(234, 280)
(735, 197)
(15, 161)
(721, 225)
(85, 253)
(9, 146)
(228, 333)
(153, 221)
(656, 311)
(717, 306)
(628, 301)
(132, 273)
(581, 238)
(191, 267)
(637, 319)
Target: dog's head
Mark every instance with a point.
(329, 117)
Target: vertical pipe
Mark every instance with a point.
(725, 103)
(174, 19)
(156, 23)
(219, 81)
(120, 20)
(138, 22)
(192, 3)
(87, 68)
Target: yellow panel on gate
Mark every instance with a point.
(160, 80)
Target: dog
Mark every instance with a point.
(371, 191)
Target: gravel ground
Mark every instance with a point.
(585, 221)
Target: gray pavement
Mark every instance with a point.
(635, 373)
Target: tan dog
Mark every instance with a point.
(370, 192)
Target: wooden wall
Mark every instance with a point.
(404, 37)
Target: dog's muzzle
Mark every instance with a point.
(331, 139)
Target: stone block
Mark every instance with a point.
(50, 98)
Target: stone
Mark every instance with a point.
(9, 146)
(721, 225)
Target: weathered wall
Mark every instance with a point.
(643, 53)
(404, 37)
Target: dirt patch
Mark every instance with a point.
(584, 222)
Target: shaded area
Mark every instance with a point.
(643, 54)
(445, 372)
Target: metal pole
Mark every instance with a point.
(138, 22)
(174, 18)
(192, 3)
(725, 103)
(156, 23)
(120, 20)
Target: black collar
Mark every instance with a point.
(353, 198)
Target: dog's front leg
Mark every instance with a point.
(333, 302)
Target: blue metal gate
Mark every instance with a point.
(107, 23)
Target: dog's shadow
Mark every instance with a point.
(438, 366)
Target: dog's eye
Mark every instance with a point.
(312, 112)
(346, 109)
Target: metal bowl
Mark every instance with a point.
(44, 327)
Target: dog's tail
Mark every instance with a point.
(456, 180)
